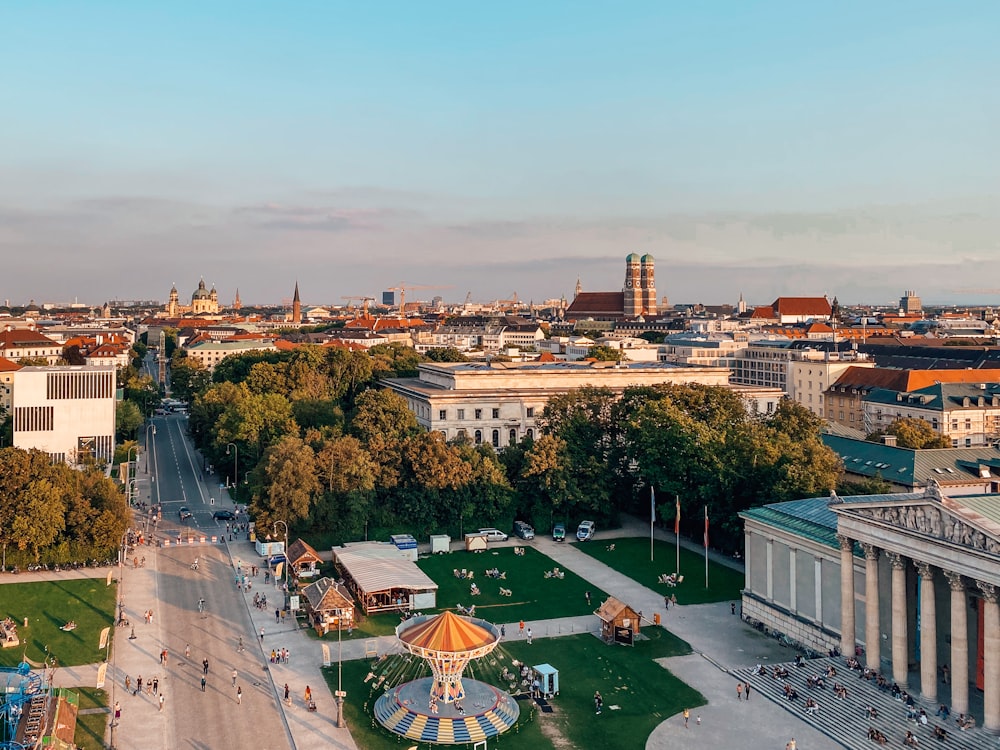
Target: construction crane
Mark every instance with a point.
(364, 303)
(403, 286)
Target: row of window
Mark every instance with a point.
(478, 413)
(34, 419)
(77, 385)
(477, 436)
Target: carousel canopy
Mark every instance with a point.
(449, 633)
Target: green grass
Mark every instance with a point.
(50, 604)
(90, 728)
(534, 596)
(630, 557)
(645, 693)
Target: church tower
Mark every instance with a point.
(237, 303)
(633, 284)
(174, 303)
(579, 288)
(648, 285)
(741, 306)
(296, 306)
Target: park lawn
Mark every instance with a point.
(645, 693)
(534, 597)
(367, 627)
(90, 727)
(50, 604)
(630, 557)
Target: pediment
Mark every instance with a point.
(944, 521)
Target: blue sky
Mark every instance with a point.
(771, 148)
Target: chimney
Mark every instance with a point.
(889, 440)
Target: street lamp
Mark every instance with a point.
(149, 445)
(236, 464)
(340, 694)
(128, 460)
(131, 490)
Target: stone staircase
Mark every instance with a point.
(846, 721)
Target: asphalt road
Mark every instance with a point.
(196, 719)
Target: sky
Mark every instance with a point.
(762, 148)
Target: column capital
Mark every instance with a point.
(988, 591)
(896, 560)
(923, 568)
(846, 543)
(870, 550)
(955, 581)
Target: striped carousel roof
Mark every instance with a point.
(449, 633)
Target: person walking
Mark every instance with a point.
(598, 702)
(277, 615)
(746, 690)
(118, 712)
(138, 685)
(687, 715)
(503, 630)
(161, 701)
(156, 685)
(308, 695)
(732, 607)
(529, 636)
(239, 695)
(203, 683)
(204, 666)
(234, 677)
(790, 745)
(128, 684)
(739, 691)
(586, 595)
(286, 693)
(187, 651)
(262, 635)
(520, 629)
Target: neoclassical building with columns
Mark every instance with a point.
(912, 578)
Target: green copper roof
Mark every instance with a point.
(988, 506)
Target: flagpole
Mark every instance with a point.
(706, 546)
(652, 519)
(677, 532)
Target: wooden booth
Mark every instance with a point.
(382, 579)
(305, 561)
(329, 606)
(619, 622)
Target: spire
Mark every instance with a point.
(296, 305)
(295, 297)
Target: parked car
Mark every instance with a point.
(494, 535)
(223, 515)
(185, 512)
(559, 532)
(585, 531)
(523, 530)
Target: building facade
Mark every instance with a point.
(67, 412)
(913, 577)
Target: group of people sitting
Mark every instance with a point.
(71, 625)
(816, 681)
(495, 573)
(779, 672)
(468, 611)
(812, 707)
(555, 573)
(790, 692)
(877, 735)
(474, 589)
(463, 574)
(840, 691)
(939, 733)
(965, 721)
(670, 579)
(910, 740)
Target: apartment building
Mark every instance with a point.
(211, 353)
(966, 413)
(27, 343)
(810, 374)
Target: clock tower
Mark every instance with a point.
(633, 286)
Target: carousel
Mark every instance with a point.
(443, 708)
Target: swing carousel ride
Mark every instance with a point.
(443, 708)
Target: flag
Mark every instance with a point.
(652, 505)
(677, 517)
(706, 527)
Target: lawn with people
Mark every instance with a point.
(65, 619)
(638, 693)
(630, 557)
(521, 590)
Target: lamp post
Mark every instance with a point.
(131, 490)
(149, 444)
(340, 694)
(128, 460)
(236, 463)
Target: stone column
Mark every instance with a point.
(959, 644)
(900, 649)
(873, 645)
(928, 633)
(991, 658)
(847, 639)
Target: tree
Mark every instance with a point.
(41, 518)
(188, 377)
(395, 360)
(445, 354)
(912, 433)
(289, 482)
(604, 353)
(128, 419)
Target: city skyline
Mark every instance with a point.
(766, 151)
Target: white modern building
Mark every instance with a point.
(67, 412)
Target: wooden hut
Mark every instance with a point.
(305, 561)
(329, 606)
(619, 622)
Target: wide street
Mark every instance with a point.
(172, 589)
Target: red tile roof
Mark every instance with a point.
(597, 303)
(7, 365)
(764, 312)
(802, 306)
(866, 378)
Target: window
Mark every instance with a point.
(531, 411)
(461, 433)
(841, 414)
(530, 434)
(479, 413)
(442, 414)
(968, 424)
(461, 413)
(479, 437)
(496, 414)
(513, 437)
(496, 438)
